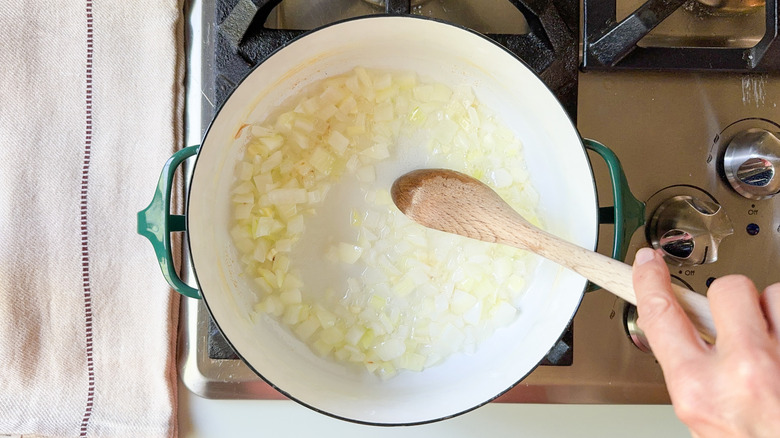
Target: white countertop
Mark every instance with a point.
(199, 417)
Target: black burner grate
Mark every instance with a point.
(612, 45)
(562, 353)
(551, 47)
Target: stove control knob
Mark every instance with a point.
(631, 316)
(688, 230)
(752, 163)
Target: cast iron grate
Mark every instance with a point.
(612, 45)
(561, 354)
(550, 48)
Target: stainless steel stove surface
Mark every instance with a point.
(699, 148)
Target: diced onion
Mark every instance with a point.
(398, 296)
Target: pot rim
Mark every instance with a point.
(204, 294)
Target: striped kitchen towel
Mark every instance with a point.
(92, 97)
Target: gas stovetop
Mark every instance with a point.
(645, 88)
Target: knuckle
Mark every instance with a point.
(754, 366)
(653, 309)
(649, 274)
(752, 375)
(746, 369)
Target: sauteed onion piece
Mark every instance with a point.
(330, 255)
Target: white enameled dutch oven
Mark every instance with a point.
(559, 170)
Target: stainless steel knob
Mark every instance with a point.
(752, 162)
(637, 336)
(688, 230)
(630, 317)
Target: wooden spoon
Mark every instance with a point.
(456, 203)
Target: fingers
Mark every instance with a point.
(770, 304)
(737, 312)
(671, 334)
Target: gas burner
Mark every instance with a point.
(383, 3)
(245, 36)
(548, 44)
(611, 43)
(727, 7)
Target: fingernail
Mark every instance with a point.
(643, 256)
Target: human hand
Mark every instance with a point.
(731, 388)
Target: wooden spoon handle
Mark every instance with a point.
(608, 273)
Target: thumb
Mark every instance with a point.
(671, 334)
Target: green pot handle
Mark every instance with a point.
(628, 213)
(156, 223)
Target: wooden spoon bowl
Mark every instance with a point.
(456, 203)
